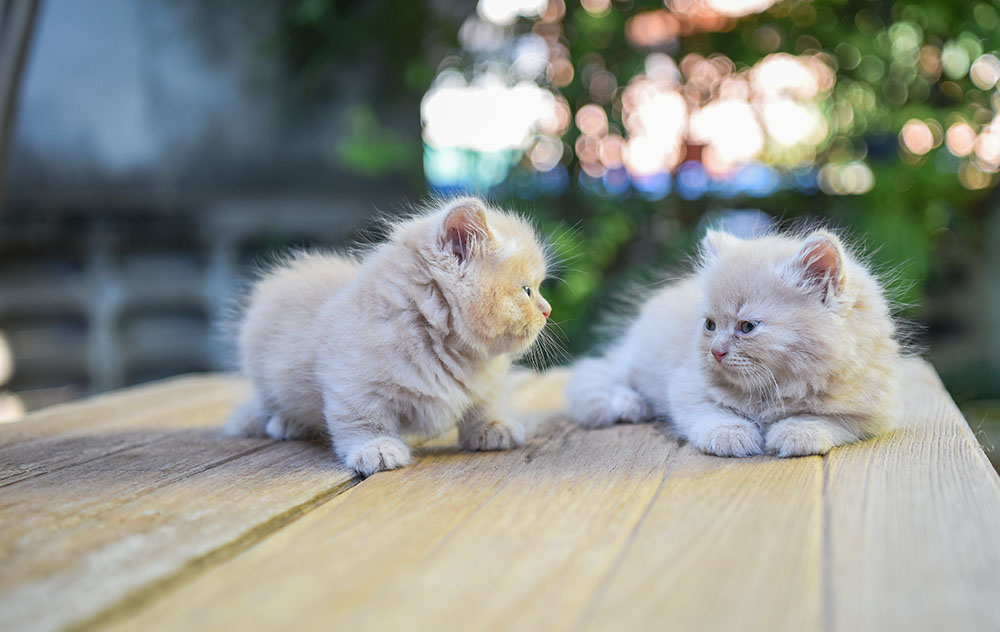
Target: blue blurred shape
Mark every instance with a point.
(590, 184)
(692, 180)
(555, 181)
(445, 166)
(652, 187)
(757, 180)
(805, 179)
(616, 181)
(743, 223)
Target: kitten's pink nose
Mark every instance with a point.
(719, 354)
(546, 312)
(546, 308)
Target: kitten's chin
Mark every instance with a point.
(730, 373)
(523, 346)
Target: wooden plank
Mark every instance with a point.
(29, 459)
(165, 404)
(728, 544)
(613, 529)
(163, 499)
(913, 517)
(455, 542)
(85, 431)
(501, 544)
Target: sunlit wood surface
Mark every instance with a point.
(130, 511)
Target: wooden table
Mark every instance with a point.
(130, 511)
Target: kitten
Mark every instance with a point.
(779, 344)
(413, 337)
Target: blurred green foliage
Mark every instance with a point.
(373, 150)
(882, 81)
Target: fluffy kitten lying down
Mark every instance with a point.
(780, 344)
(415, 336)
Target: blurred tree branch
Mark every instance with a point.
(17, 21)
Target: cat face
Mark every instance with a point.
(495, 267)
(771, 312)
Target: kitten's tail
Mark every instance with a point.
(596, 399)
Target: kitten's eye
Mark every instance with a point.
(747, 326)
(527, 290)
(709, 324)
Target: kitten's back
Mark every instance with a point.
(295, 288)
(290, 295)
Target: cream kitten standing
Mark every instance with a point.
(777, 344)
(415, 336)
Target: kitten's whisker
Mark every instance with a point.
(656, 283)
(550, 349)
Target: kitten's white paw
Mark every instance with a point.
(381, 453)
(738, 438)
(793, 437)
(628, 405)
(495, 435)
(276, 428)
(283, 429)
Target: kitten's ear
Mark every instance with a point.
(819, 263)
(464, 226)
(715, 243)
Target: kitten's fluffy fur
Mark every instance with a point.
(413, 337)
(817, 368)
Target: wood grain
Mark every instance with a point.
(488, 541)
(728, 544)
(165, 404)
(133, 496)
(130, 511)
(77, 433)
(913, 523)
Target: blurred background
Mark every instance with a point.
(154, 152)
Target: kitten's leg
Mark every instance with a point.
(284, 428)
(482, 429)
(248, 420)
(597, 399)
(806, 434)
(717, 431)
(366, 443)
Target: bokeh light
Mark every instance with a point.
(916, 137)
(784, 113)
(960, 139)
(505, 12)
(985, 71)
(739, 8)
(854, 178)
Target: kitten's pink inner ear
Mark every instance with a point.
(822, 262)
(463, 226)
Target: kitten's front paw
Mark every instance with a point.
(796, 437)
(381, 453)
(736, 438)
(494, 435)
